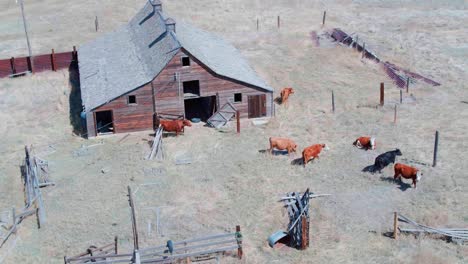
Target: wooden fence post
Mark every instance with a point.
(74, 54)
(239, 242)
(13, 216)
(52, 60)
(238, 121)
(30, 65)
(363, 50)
(12, 64)
(96, 24)
(395, 225)
(116, 244)
(304, 232)
(407, 85)
(333, 102)
(436, 146)
(323, 19)
(395, 115)
(257, 24)
(382, 94)
(134, 224)
(401, 96)
(279, 22)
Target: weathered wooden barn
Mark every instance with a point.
(154, 65)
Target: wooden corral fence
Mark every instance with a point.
(35, 175)
(20, 66)
(400, 76)
(197, 249)
(457, 235)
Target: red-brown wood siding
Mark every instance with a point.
(168, 101)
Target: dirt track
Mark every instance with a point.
(230, 182)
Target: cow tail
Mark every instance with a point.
(370, 168)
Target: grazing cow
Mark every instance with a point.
(282, 144)
(285, 94)
(176, 126)
(407, 172)
(382, 161)
(365, 143)
(312, 152)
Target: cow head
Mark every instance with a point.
(398, 152)
(418, 176)
(290, 90)
(187, 123)
(294, 147)
(325, 147)
(372, 142)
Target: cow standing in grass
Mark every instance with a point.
(312, 152)
(407, 172)
(382, 161)
(176, 126)
(285, 92)
(282, 144)
(365, 143)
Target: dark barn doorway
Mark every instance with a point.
(201, 107)
(104, 122)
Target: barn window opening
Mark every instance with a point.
(132, 99)
(237, 98)
(185, 61)
(191, 88)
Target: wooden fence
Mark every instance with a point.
(14, 67)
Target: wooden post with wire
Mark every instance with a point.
(134, 224)
(96, 24)
(407, 85)
(436, 146)
(12, 65)
(52, 60)
(238, 121)
(382, 94)
(324, 17)
(333, 102)
(239, 242)
(395, 225)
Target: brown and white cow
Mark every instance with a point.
(365, 143)
(312, 152)
(176, 126)
(407, 172)
(285, 92)
(282, 144)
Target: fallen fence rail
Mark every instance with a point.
(400, 76)
(35, 175)
(458, 235)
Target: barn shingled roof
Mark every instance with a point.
(130, 57)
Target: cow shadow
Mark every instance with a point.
(278, 100)
(275, 152)
(403, 186)
(298, 162)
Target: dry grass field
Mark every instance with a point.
(229, 182)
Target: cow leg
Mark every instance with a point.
(414, 182)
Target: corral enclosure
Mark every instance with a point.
(229, 182)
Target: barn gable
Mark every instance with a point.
(122, 61)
